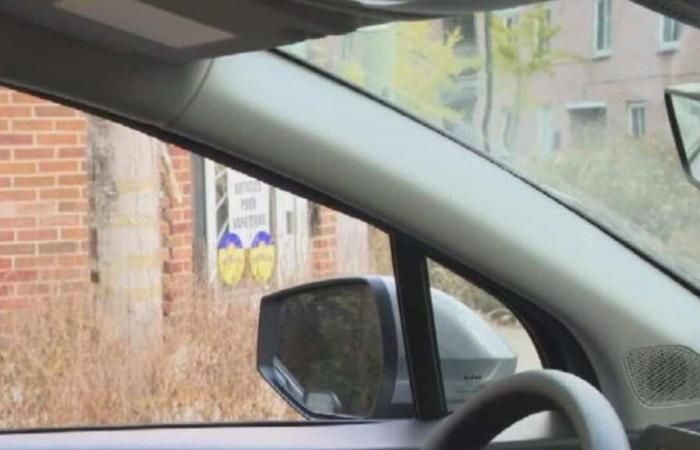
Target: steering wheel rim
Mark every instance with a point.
(499, 405)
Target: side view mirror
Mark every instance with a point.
(683, 106)
(334, 349)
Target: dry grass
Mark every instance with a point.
(58, 369)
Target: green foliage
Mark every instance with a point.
(425, 69)
(523, 49)
(636, 186)
(353, 72)
(422, 70)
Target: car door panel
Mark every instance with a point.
(544, 431)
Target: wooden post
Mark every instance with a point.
(126, 241)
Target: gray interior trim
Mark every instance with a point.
(152, 92)
(265, 109)
(390, 435)
(491, 410)
(686, 11)
(186, 31)
(352, 148)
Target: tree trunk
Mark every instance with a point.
(518, 107)
(488, 68)
(126, 247)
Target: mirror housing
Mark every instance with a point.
(329, 348)
(683, 106)
(472, 354)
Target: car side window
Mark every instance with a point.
(132, 275)
(479, 339)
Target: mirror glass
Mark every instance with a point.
(685, 100)
(328, 350)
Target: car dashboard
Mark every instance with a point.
(659, 437)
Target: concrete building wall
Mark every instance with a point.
(637, 69)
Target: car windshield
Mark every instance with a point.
(569, 95)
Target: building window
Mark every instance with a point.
(603, 28)
(508, 18)
(588, 123)
(542, 25)
(314, 219)
(556, 140)
(290, 222)
(466, 27)
(636, 118)
(221, 200)
(670, 33)
(545, 129)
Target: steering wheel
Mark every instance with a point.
(501, 404)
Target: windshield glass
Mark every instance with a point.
(568, 94)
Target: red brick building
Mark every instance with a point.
(46, 223)
(44, 205)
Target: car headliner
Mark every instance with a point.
(182, 30)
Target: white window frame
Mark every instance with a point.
(606, 51)
(584, 106)
(212, 234)
(510, 17)
(381, 28)
(672, 45)
(631, 108)
(545, 129)
(548, 22)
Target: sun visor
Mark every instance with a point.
(185, 30)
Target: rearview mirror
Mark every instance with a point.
(334, 349)
(683, 105)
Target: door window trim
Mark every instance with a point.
(556, 345)
(418, 324)
(520, 306)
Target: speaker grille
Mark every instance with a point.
(664, 375)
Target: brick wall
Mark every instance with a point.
(43, 201)
(323, 242)
(44, 214)
(44, 223)
(176, 224)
